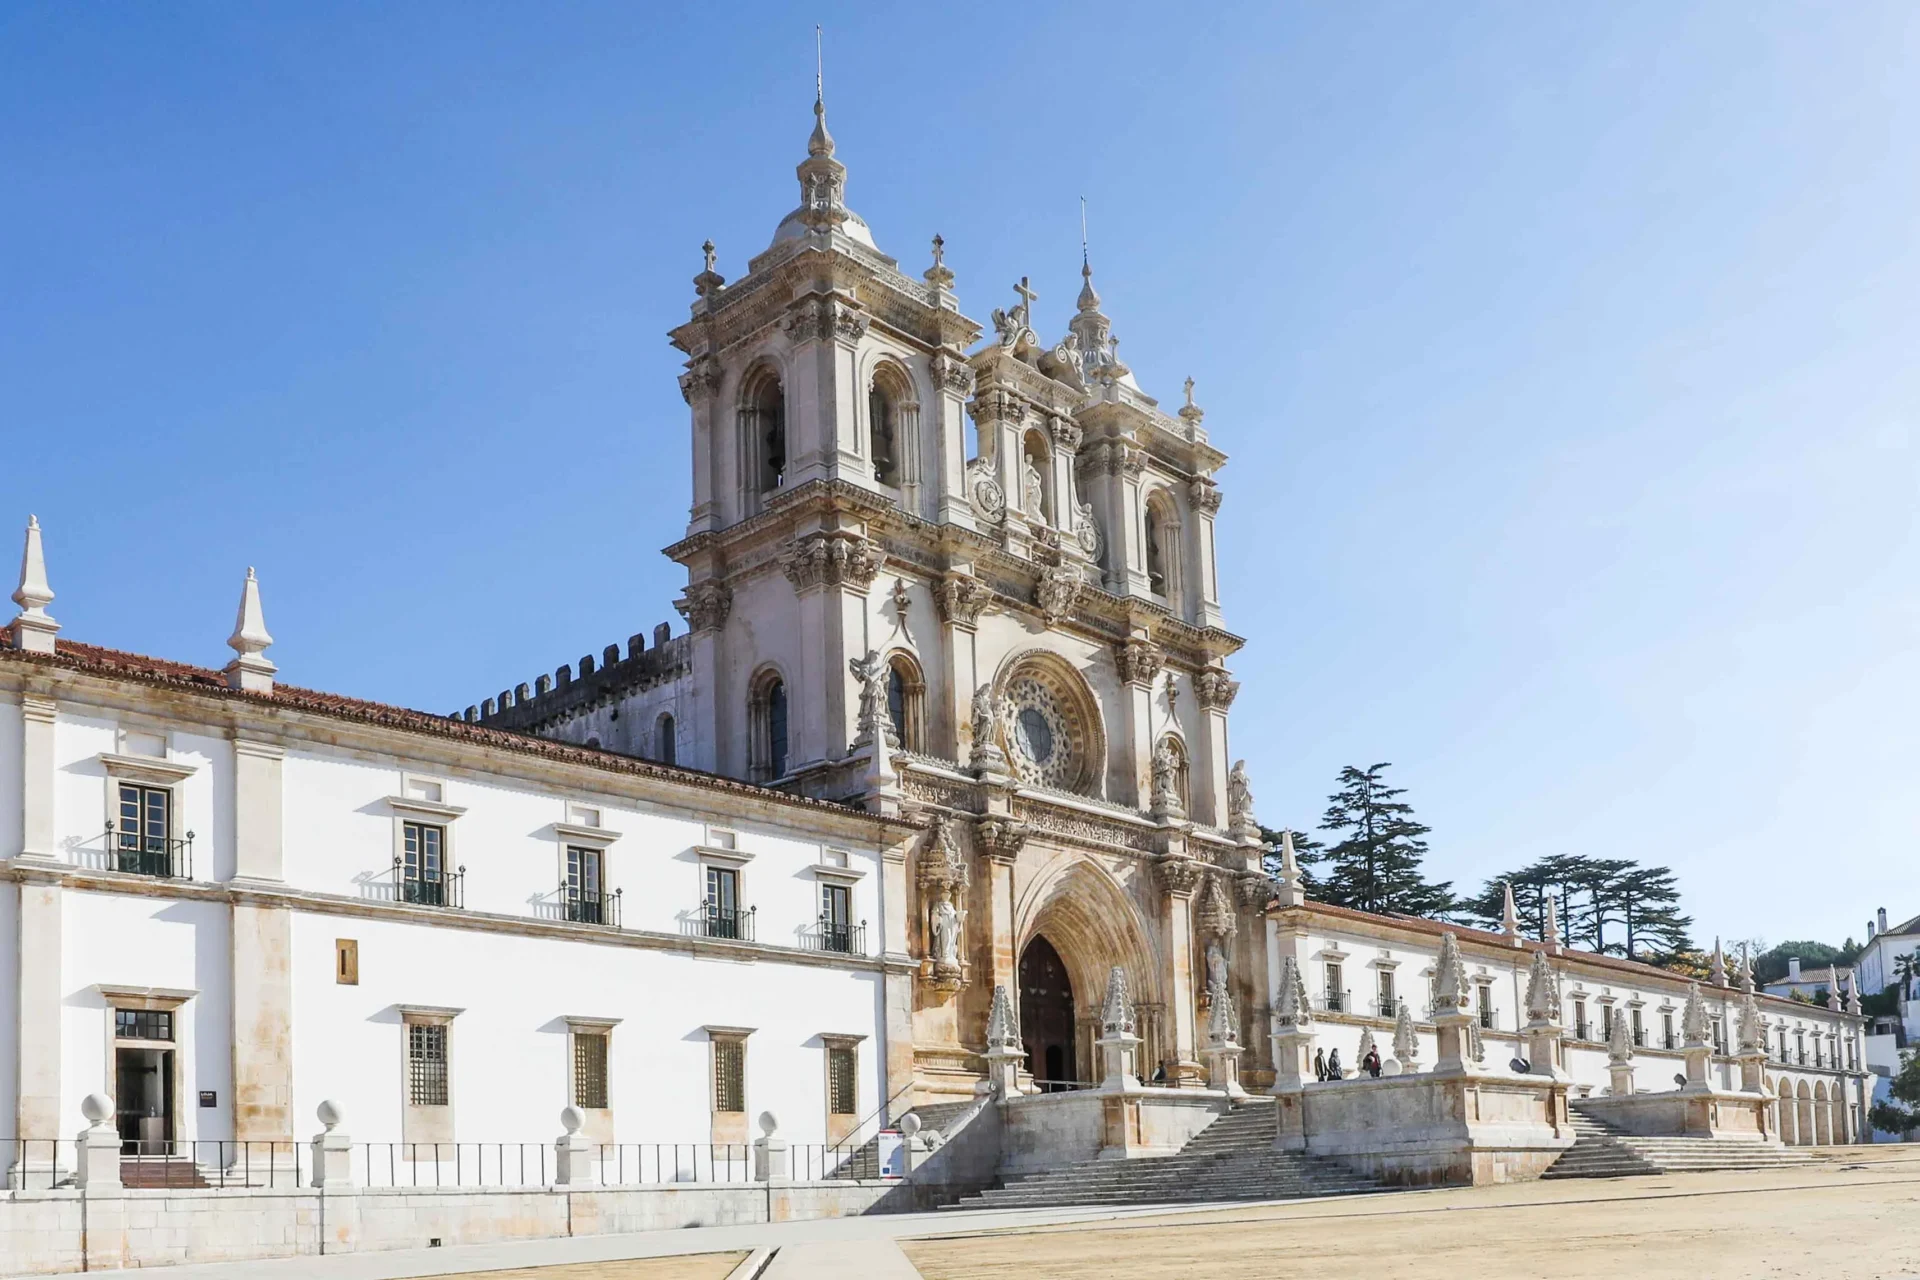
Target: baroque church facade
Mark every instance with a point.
(932, 800)
(975, 590)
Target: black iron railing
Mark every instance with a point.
(831, 935)
(430, 889)
(1487, 1020)
(1336, 1002)
(1583, 1031)
(589, 906)
(717, 921)
(142, 855)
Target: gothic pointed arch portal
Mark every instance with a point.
(1046, 1014)
(1077, 912)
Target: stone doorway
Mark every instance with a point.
(1046, 1014)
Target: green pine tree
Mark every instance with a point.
(1374, 865)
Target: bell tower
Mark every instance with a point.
(826, 391)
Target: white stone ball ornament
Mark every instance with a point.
(572, 1119)
(768, 1123)
(329, 1113)
(96, 1107)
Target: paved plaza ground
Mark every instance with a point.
(1854, 1213)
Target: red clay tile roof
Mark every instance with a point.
(207, 682)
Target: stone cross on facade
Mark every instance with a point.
(1024, 312)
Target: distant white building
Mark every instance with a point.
(1879, 961)
(1808, 984)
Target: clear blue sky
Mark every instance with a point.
(1566, 355)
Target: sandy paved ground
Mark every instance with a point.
(1854, 1215)
(694, 1266)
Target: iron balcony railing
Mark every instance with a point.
(141, 855)
(735, 923)
(838, 936)
(589, 906)
(1640, 1037)
(434, 889)
(1487, 1020)
(1336, 1002)
(1583, 1031)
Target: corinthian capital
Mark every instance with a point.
(832, 559)
(705, 605)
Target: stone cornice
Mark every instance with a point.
(327, 904)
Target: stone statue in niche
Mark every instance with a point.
(1216, 967)
(946, 932)
(1032, 499)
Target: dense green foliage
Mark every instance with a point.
(1901, 1114)
(1614, 906)
(1373, 862)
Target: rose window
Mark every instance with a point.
(1044, 740)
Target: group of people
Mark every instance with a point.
(1326, 1066)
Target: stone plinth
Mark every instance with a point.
(1431, 1130)
(1048, 1130)
(1684, 1113)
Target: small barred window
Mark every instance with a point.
(842, 1078)
(729, 1075)
(590, 1070)
(426, 1064)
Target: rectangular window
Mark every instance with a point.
(422, 869)
(143, 1024)
(1719, 1037)
(723, 916)
(1386, 1006)
(1606, 1022)
(836, 910)
(346, 962)
(1580, 1027)
(729, 1075)
(1639, 1031)
(1666, 1030)
(586, 901)
(1335, 987)
(590, 1070)
(842, 1080)
(1484, 994)
(143, 843)
(426, 1064)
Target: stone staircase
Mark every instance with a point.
(1603, 1150)
(864, 1160)
(1231, 1159)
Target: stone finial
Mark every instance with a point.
(1510, 916)
(1116, 1014)
(1753, 1027)
(1367, 1045)
(1833, 991)
(1222, 1025)
(330, 1114)
(1717, 966)
(1406, 1044)
(1553, 924)
(1746, 969)
(1543, 990)
(251, 670)
(1449, 977)
(1853, 994)
(1292, 1009)
(1003, 1028)
(939, 275)
(1620, 1038)
(34, 629)
(1693, 1019)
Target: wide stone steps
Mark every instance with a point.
(1602, 1150)
(1231, 1159)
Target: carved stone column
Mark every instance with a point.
(1178, 876)
(1204, 496)
(999, 840)
(959, 598)
(952, 382)
(1213, 690)
(712, 447)
(831, 571)
(705, 605)
(1139, 662)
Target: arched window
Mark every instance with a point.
(906, 702)
(883, 423)
(1178, 750)
(763, 434)
(1036, 478)
(665, 749)
(1162, 548)
(768, 724)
